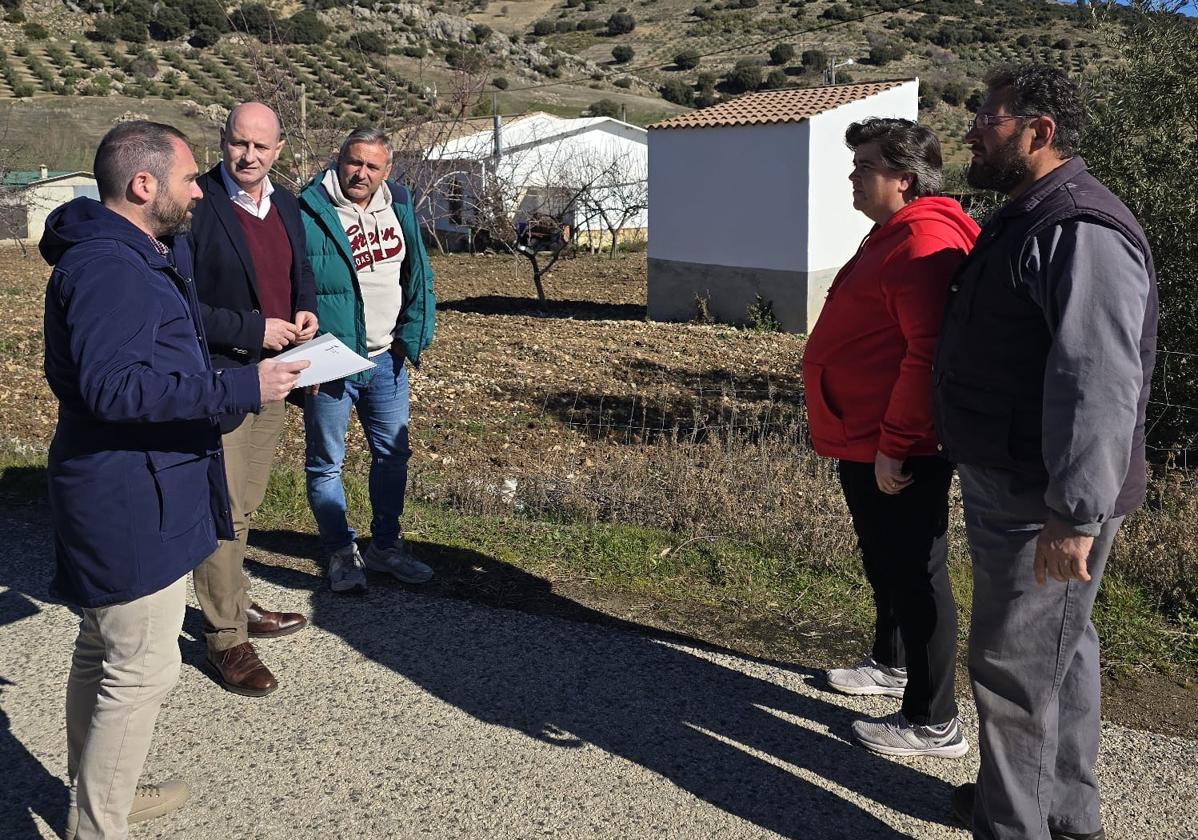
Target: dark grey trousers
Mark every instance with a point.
(1033, 662)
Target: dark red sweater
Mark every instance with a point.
(270, 251)
(867, 367)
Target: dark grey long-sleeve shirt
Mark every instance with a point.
(1093, 285)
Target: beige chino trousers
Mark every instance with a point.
(222, 588)
(126, 661)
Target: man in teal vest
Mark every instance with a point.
(374, 292)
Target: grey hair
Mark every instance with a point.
(132, 147)
(905, 146)
(367, 134)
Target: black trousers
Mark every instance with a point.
(904, 548)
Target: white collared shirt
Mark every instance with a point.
(243, 199)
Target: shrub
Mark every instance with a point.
(815, 59)
(955, 92)
(205, 13)
(204, 36)
(480, 32)
(414, 51)
(621, 23)
(687, 59)
(885, 53)
(500, 83)
(746, 4)
(605, 108)
(776, 79)
(745, 76)
(782, 53)
(543, 27)
(623, 82)
(622, 54)
(256, 19)
(169, 24)
(144, 65)
(703, 12)
(838, 11)
(304, 27)
(368, 42)
(23, 90)
(677, 91)
(35, 31)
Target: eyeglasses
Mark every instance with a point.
(990, 120)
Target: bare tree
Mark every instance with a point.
(616, 189)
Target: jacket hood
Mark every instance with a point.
(85, 220)
(944, 214)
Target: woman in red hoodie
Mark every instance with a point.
(867, 373)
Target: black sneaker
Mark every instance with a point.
(962, 802)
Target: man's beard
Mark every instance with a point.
(170, 218)
(1005, 170)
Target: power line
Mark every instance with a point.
(771, 40)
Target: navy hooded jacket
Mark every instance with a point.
(137, 483)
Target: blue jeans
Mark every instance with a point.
(382, 404)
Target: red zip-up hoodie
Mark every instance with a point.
(867, 367)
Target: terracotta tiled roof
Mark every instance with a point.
(776, 106)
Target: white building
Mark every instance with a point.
(589, 173)
(34, 194)
(751, 197)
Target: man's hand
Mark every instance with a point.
(305, 326)
(1062, 553)
(888, 472)
(279, 334)
(276, 379)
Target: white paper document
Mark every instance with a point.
(330, 360)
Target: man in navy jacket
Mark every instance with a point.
(257, 296)
(136, 477)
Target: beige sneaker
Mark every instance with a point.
(149, 803)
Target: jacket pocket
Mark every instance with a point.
(976, 424)
(181, 480)
(823, 420)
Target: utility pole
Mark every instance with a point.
(830, 70)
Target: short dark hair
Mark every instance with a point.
(905, 145)
(1043, 91)
(132, 147)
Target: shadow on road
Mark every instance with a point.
(738, 742)
(28, 787)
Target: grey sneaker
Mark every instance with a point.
(398, 561)
(869, 677)
(149, 802)
(894, 735)
(345, 570)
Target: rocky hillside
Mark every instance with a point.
(388, 62)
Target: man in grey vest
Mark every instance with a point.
(1041, 382)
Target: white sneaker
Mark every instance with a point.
(869, 677)
(149, 802)
(894, 735)
(345, 570)
(398, 561)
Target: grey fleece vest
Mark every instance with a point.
(990, 361)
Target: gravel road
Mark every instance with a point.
(407, 716)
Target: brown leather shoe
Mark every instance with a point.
(240, 671)
(267, 624)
